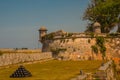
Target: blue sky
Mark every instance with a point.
(21, 19)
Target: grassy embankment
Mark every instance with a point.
(53, 70)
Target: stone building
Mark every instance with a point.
(77, 46)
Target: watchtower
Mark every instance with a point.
(97, 27)
(42, 32)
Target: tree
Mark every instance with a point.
(106, 12)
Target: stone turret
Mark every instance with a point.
(42, 32)
(97, 27)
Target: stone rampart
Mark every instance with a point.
(14, 58)
(80, 47)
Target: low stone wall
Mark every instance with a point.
(14, 58)
(104, 72)
(10, 50)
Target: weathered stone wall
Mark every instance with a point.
(76, 47)
(80, 47)
(14, 58)
(114, 43)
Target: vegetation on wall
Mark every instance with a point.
(100, 41)
(99, 46)
(92, 35)
(94, 48)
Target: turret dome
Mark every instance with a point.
(96, 24)
(43, 28)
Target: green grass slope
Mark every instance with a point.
(53, 70)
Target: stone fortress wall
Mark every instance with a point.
(9, 56)
(76, 48)
(78, 45)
